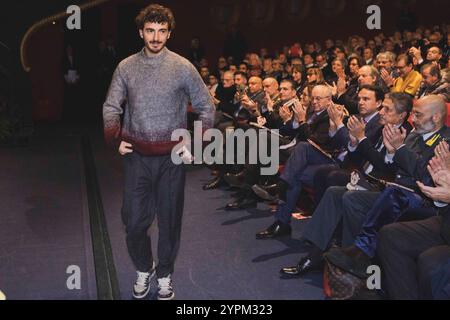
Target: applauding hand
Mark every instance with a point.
(387, 78)
(285, 113)
(336, 114)
(441, 179)
(442, 152)
(395, 137)
(299, 111)
(356, 127)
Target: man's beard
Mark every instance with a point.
(426, 127)
(149, 46)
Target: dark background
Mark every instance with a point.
(263, 23)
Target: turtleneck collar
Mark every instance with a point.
(156, 58)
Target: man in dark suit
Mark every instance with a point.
(368, 56)
(337, 200)
(306, 159)
(278, 117)
(367, 75)
(411, 156)
(433, 83)
(321, 60)
(365, 154)
(367, 124)
(294, 126)
(434, 55)
(314, 128)
(415, 255)
(246, 111)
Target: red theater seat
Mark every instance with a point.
(448, 115)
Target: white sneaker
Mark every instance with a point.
(165, 289)
(142, 285)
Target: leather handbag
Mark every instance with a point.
(341, 285)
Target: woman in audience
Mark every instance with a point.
(314, 77)
(297, 76)
(338, 66)
(354, 63)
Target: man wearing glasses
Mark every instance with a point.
(315, 127)
(307, 159)
(409, 79)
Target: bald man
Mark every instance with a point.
(304, 159)
(254, 84)
(270, 86)
(251, 102)
(411, 156)
(272, 94)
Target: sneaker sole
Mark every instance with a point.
(168, 298)
(143, 295)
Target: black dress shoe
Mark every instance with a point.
(214, 183)
(277, 229)
(235, 180)
(268, 193)
(241, 204)
(305, 265)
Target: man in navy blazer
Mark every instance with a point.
(411, 155)
(364, 154)
(339, 212)
(306, 159)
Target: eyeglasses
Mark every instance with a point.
(319, 98)
(401, 67)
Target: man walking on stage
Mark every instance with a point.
(152, 89)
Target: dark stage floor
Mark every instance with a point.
(45, 227)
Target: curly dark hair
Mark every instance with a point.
(155, 13)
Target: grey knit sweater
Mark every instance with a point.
(153, 94)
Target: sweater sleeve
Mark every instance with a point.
(112, 109)
(201, 100)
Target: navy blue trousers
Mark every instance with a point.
(299, 170)
(154, 186)
(388, 207)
